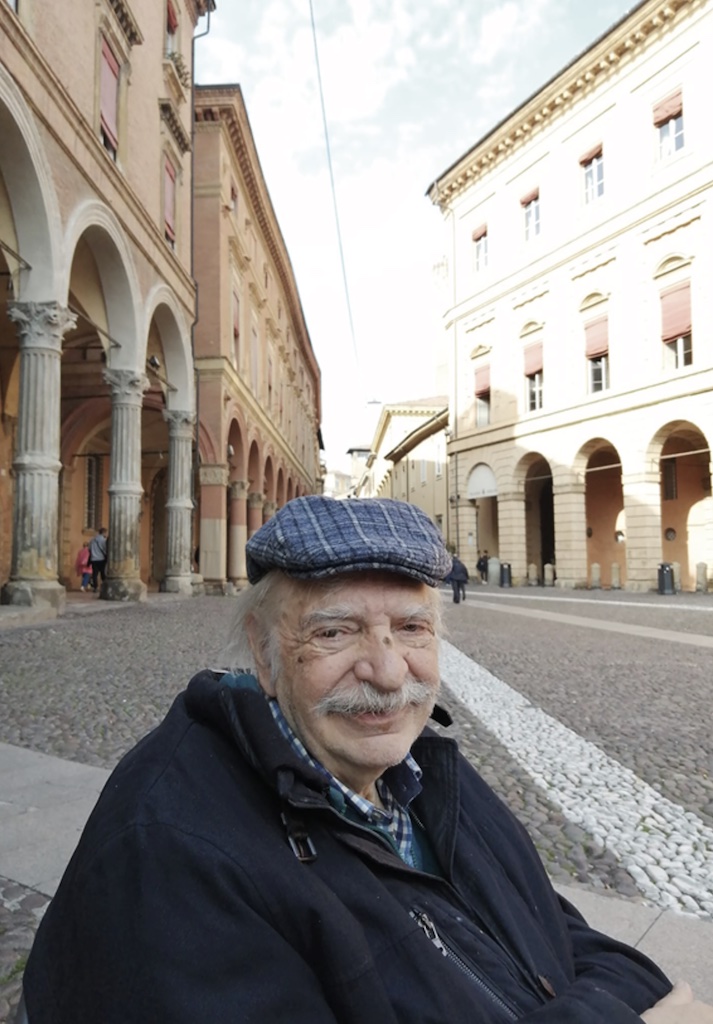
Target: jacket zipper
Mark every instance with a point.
(431, 932)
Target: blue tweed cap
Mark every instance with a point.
(314, 536)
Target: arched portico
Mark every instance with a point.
(482, 496)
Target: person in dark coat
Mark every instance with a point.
(482, 566)
(294, 844)
(457, 577)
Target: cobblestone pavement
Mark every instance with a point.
(88, 686)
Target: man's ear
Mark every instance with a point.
(258, 646)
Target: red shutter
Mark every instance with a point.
(533, 358)
(596, 335)
(672, 106)
(591, 154)
(236, 317)
(530, 197)
(171, 18)
(169, 199)
(480, 232)
(482, 381)
(109, 93)
(676, 312)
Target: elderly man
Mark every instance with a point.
(292, 845)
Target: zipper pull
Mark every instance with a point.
(547, 986)
(428, 927)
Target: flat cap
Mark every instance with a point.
(314, 536)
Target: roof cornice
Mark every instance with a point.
(587, 72)
(424, 430)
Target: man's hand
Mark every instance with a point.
(679, 1007)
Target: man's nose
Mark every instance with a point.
(380, 662)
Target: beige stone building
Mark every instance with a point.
(97, 397)
(259, 382)
(407, 458)
(579, 312)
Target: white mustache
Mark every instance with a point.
(366, 699)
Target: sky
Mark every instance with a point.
(409, 86)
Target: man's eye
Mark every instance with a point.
(329, 634)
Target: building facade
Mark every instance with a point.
(97, 397)
(407, 458)
(579, 312)
(259, 382)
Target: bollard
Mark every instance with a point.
(615, 576)
(505, 574)
(533, 579)
(595, 576)
(549, 572)
(701, 577)
(666, 578)
(494, 569)
(676, 570)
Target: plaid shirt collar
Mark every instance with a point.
(394, 820)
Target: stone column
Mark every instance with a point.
(36, 465)
(512, 534)
(179, 505)
(123, 580)
(571, 534)
(268, 510)
(237, 532)
(213, 535)
(255, 504)
(642, 504)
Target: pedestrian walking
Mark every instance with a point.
(97, 553)
(83, 566)
(458, 577)
(482, 566)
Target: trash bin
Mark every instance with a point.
(666, 578)
(505, 574)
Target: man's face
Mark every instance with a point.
(376, 629)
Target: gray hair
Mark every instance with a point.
(261, 602)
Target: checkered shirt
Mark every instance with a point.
(394, 821)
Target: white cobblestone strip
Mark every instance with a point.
(667, 850)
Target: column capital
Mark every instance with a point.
(238, 489)
(256, 500)
(180, 422)
(269, 508)
(41, 325)
(127, 384)
(213, 476)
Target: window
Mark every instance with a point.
(236, 330)
(669, 480)
(482, 396)
(480, 248)
(531, 205)
(533, 376)
(13, 5)
(668, 119)
(169, 202)
(233, 197)
(592, 164)
(676, 332)
(92, 492)
(254, 356)
(109, 100)
(171, 29)
(596, 334)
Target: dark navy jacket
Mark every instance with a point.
(215, 883)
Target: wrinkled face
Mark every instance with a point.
(357, 669)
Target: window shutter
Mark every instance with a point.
(482, 381)
(480, 232)
(169, 199)
(591, 154)
(671, 107)
(236, 316)
(171, 18)
(533, 358)
(596, 335)
(530, 197)
(676, 312)
(109, 93)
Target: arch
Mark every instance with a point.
(163, 308)
(671, 263)
(481, 482)
(591, 301)
(605, 515)
(534, 473)
(236, 459)
(207, 447)
(280, 488)
(33, 199)
(269, 479)
(97, 224)
(254, 467)
(290, 489)
(531, 327)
